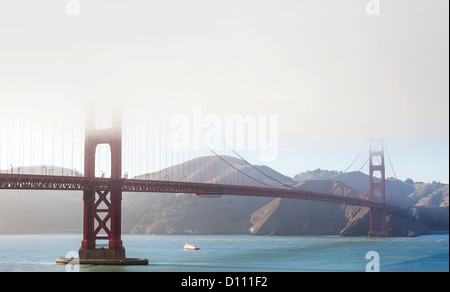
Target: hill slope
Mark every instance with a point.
(300, 217)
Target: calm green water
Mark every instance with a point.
(236, 253)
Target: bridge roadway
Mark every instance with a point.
(45, 182)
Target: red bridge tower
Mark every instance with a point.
(377, 188)
(102, 209)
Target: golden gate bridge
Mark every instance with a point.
(102, 193)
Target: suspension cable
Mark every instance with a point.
(268, 176)
(234, 166)
(356, 172)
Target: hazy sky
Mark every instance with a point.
(333, 75)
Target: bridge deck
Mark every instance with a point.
(42, 182)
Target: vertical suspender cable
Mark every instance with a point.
(42, 142)
(71, 150)
(53, 144)
(165, 146)
(138, 128)
(20, 144)
(161, 151)
(32, 143)
(62, 154)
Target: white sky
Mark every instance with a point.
(332, 74)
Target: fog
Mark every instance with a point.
(334, 75)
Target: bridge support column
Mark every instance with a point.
(377, 188)
(102, 208)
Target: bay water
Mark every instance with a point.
(236, 253)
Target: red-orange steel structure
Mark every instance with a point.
(102, 207)
(377, 189)
(102, 196)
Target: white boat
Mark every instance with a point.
(188, 246)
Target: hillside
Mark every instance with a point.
(188, 214)
(206, 169)
(430, 195)
(28, 212)
(404, 193)
(299, 217)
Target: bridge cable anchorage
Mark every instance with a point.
(260, 171)
(234, 166)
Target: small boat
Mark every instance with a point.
(188, 246)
